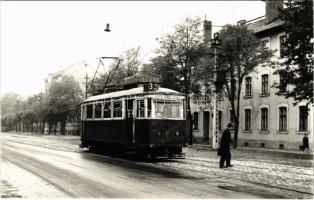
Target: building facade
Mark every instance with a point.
(266, 120)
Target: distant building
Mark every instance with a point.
(79, 71)
(266, 119)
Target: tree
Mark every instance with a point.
(33, 112)
(181, 51)
(161, 66)
(297, 70)
(240, 53)
(11, 104)
(62, 98)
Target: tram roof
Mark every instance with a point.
(130, 92)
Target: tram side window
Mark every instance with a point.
(107, 109)
(117, 109)
(98, 108)
(140, 112)
(89, 111)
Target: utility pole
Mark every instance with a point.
(215, 43)
(17, 111)
(41, 121)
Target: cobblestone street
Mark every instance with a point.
(265, 168)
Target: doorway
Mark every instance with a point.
(206, 125)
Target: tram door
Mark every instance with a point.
(129, 122)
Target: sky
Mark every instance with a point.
(42, 37)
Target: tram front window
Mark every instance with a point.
(98, 108)
(107, 109)
(89, 111)
(117, 109)
(167, 109)
(140, 109)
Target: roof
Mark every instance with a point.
(259, 25)
(133, 91)
(275, 24)
(141, 79)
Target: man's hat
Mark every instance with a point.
(230, 125)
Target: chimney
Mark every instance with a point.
(207, 35)
(272, 10)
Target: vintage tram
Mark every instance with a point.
(145, 119)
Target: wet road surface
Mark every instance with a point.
(49, 168)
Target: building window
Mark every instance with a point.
(282, 84)
(303, 118)
(264, 119)
(282, 40)
(98, 110)
(234, 89)
(247, 122)
(265, 84)
(248, 86)
(265, 44)
(195, 121)
(89, 111)
(219, 120)
(282, 118)
(231, 119)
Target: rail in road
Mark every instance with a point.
(270, 175)
(286, 181)
(89, 175)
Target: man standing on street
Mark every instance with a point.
(225, 141)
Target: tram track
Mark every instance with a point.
(184, 163)
(256, 166)
(208, 167)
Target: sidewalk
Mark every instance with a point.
(284, 152)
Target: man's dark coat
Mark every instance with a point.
(225, 141)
